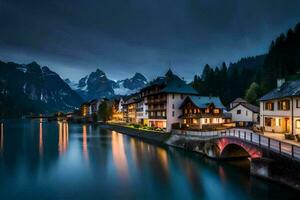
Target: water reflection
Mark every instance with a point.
(119, 155)
(41, 144)
(63, 137)
(84, 142)
(1, 139)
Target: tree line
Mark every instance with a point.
(251, 77)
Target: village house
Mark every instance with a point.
(280, 108)
(163, 97)
(243, 113)
(130, 110)
(117, 110)
(141, 112)
(202, 112)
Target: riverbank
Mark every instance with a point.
(154, 136)
(275, 168)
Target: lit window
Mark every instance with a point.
(216, 111)
(184, 121)
(277, 121)
(195, 121)
(207, 110)
(298, 124)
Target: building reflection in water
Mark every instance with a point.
(119, 155)
(41, 144)
(84, 142)
(63, 137)
(1, 138)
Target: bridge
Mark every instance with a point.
(269, 158)
(242, 143)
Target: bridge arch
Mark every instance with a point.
(234, 148)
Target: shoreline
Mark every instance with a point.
(163, 140)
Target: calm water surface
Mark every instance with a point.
(41, 160)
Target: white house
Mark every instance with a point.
(163, 97)
(243, 113)
(141, 112)
(280, 108)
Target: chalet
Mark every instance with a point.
(243, 113)
(199, 112)
(163, 97)
(280, 108)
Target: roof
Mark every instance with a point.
(171, 83)
(249, 106)
(204, 101)
(179, 86)
(288, 89)
(239, 100)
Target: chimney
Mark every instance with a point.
(280, 82)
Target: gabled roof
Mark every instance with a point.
(171, 83)
(179, 86)
(239, 100)
(204, 101)
(249, 106)
(288, 89)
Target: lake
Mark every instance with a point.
(55, 160)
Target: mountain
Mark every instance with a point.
(30, 88)
(97, 85)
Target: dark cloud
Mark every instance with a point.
(121, 37)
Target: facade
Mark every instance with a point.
(141, 112)
(163, 97)
(85, 109)
(201, 112)
(94, 106)
(244, 113)
(130, 110)
(280, 108)
(117, 110)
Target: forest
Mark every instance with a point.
(251, 77)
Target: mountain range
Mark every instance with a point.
(97, 85)
(30, 88)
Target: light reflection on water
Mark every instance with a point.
(42, 160)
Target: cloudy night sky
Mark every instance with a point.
(75, 37)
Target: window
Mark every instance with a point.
(269, 106)
(277, 121)
(173, 106)
(268, 121)
(173, 113)
(195, 110)
(185, 111)
(284, 105)
(173, 96)
(298, 124)
(206, 110)
(216, 111)
(195, 121)
(238, 112)
(184, 121)
(190, 111)
(246, 112)
(297, 103)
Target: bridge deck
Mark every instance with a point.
(286, 148)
